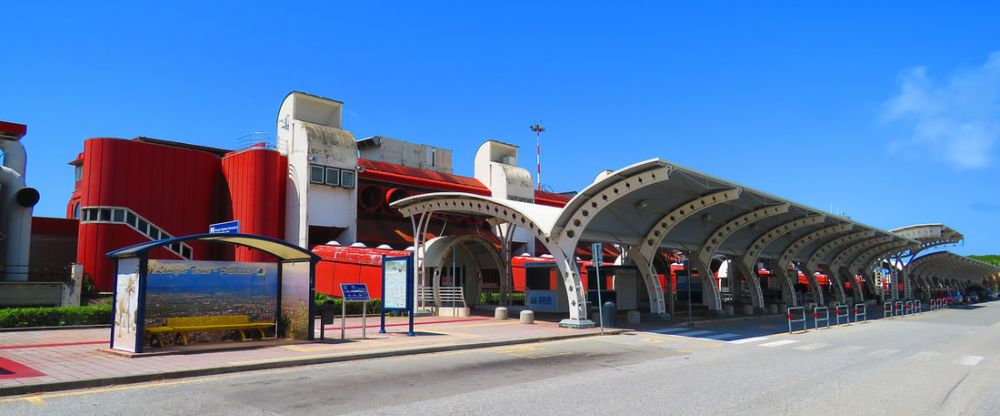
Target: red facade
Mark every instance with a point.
(256, 182)
(351, 265)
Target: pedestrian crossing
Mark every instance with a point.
(797, 345)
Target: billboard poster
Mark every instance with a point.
(296, 298)
(182, 288)
(126, 306)
(395, 286)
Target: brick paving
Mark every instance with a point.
(72, 355)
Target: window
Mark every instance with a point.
(154, 233)
(130, 219)
(78, 172)
(186, 252)
(118, 215)
(316, 174)
(143, 227)
(332, 176)
(76, 211)
(105, 214)
(347, 178)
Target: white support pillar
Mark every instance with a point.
(719, 236)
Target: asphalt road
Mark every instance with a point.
(942, 363)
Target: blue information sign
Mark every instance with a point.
(229, 227)
(354, 292)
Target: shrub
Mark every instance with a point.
(61, 316)
(325, 301)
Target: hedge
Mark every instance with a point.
(324, 301)
(61, 316)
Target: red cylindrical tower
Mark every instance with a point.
(127, 186)
(256, 178)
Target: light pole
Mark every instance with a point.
(538, 129)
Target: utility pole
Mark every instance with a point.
(538, 129)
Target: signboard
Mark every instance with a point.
(597, 251)
(229, 227)
(354, 292)
(397, 288)
(127, 322)
(394, 273)
(541, 300)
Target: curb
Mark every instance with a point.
(199, 372)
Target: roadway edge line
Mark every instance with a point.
(292, 362)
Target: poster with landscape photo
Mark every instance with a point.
(180, 288)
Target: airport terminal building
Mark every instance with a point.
(670, 234)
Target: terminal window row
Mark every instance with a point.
(326, 175)
(119, 215)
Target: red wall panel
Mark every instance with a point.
(256, 180)
(172, 187)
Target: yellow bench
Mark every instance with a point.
(187, 324)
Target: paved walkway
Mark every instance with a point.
(72, 358)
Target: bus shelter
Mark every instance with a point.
(155, 297)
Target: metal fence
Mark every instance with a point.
(821, 314)
(860, 312)
(842, 314)
(792, 311)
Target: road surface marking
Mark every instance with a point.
(883, 353)
(692, 333)
(810, 347)
(748, 340)
(849, 349)
(778, 343)
(925, 355)
(969, 360)
(668, 330)
(721, 337)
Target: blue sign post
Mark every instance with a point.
(354, 292)
(228, 227)
(397, 288)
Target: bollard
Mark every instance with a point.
(887, 310)
(908, 307)
(632, 317)
(609, 313)
(500, 313)
(918, 306)
(899, 308)
(527, 317)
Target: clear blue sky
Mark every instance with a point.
(890, 112)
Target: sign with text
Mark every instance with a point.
(397, 288)
(229, 227)
(597, 251)
(354, 292)
(541, 300)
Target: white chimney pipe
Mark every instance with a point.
(16, 205)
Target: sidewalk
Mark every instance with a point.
(77, 358)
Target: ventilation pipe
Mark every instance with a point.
(16, 203)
